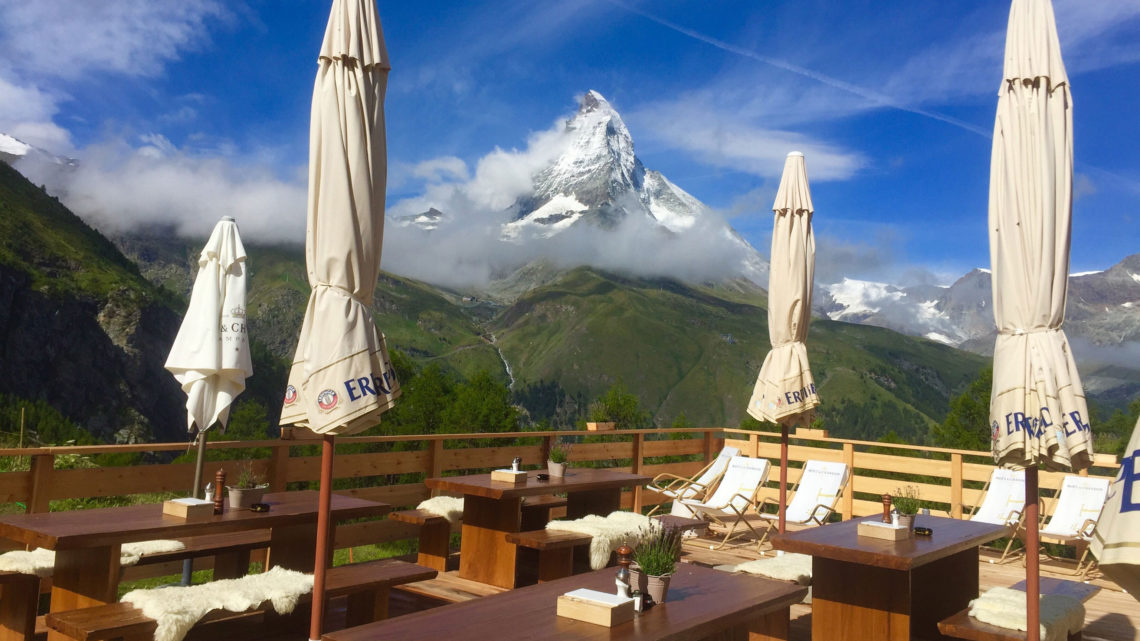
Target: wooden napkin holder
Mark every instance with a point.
(509, 476)
(885, 531)
(599, 608)
(190, 509)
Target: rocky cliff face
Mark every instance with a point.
(79, 328)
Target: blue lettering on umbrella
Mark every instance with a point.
(1130, 474)
(352, 394)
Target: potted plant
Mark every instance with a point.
(248, 489)
(557, 458)
(907, 503)
(655, 560)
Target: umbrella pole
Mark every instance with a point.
(1032, 566)
(322, 552)
(188, 564)
(783, 473)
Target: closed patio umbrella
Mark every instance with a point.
(1038, 414)
(785, 391)
(1116, 540)
(342, 379)
(210, 356)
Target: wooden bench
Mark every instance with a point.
(435, 537)
(231, 551)
(555, 550)
(19, 598)
(536, 510)
(365, 584)
(682, 523)
(962, 626)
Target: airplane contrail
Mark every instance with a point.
(862, 92)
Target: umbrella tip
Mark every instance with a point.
(228, 219)
(796, 153)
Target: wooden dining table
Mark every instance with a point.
(493, 509)
(87, 542)
(868, 588)
(702, 604)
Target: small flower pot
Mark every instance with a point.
(906, 521)
(241, 498)
(556, 469)
(657, 587)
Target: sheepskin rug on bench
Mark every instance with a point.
(609, 532)
(786, 567)
(1005, 607)
(449, 507)
(177, 609)
(41, 562)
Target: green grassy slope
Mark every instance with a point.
(697, 351)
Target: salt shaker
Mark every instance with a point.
(516, 463)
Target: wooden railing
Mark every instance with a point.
(951, 478)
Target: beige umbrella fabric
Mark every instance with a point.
(342, 379)
(785, 391)
(1038, 413)
(1116, 540)
(210, 356)
(785, 387)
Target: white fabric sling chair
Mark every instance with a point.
(1003, 504)
(813, 499)
(698, 486)
(738, 491)
(1075, 516)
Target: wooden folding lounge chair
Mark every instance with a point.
(696, 487)
(813, 499)
(738, 491)
(1003, 504)
(1075, 516)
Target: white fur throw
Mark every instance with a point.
(41, 562)
(177, 609)
(608, 532)
(786, 567)
(449, 507)
(1005, 607)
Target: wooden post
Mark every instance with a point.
(638, 442)
(754, 445)
(38, 498)
(436, 461)
(710, 447)
(547, 446)
(849, 495)
(279, 467)
(956, 486)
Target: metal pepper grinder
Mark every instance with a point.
(886, 508)
(219, 498)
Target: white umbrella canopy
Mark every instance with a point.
(785, 387)
(342, 378)
(1038, 413)
(1116, 540)
(1037, 407)
(785, 390)
(210, 356)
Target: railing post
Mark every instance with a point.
(436, 461)
(849, 495)
(754, 445)
(638, 442)
(956, 486)
(709, 446)
(279, 467)
(547, 445)
(38, 498)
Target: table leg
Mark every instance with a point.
(940, 589)
(773, 626)
(294, 547)
(485, 555)
(600, 502)
(851, 601)
(18, 600)
(84, 578)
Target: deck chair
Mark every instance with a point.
(813, 498)
(698, 486)
(738, 491)
(1003, 504)
(1075, 516)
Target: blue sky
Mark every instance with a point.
(184, 110)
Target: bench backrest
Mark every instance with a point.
(821, 483)
(742, 480)
(1005, 495)
(716, 470)
(1081, 499)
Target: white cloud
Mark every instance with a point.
(26, 112)
(117, 186)
(66, 39)
(441, 169)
